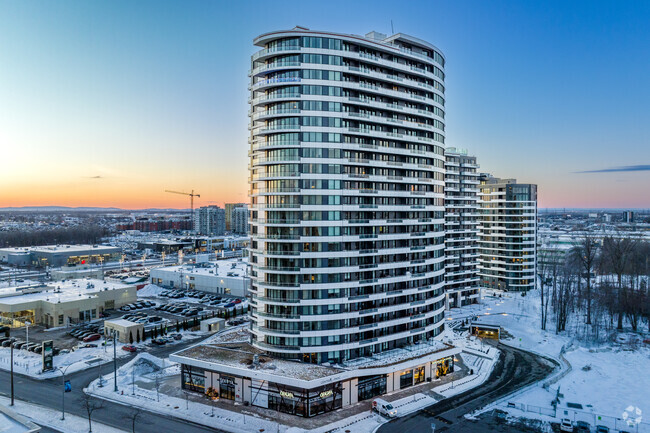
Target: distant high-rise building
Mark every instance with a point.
(229, 208)
(239, 223)
(507, 234)
(628, 216)
(210, 220)
(461, 229)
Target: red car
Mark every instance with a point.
(92, 337)
(237, 301)
(130, 348)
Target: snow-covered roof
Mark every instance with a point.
(61, 248)
(62, 291)
(222, 268)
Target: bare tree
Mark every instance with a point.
(585, 254)
(90, 405)
(617, 254)
(133, 416)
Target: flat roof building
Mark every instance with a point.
(225, 277)
(59, 255)
(62, 303)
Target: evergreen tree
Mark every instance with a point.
(130, 337)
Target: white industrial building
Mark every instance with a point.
(62, 303)
(227, 277)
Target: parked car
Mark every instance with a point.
(566, 425)
(38, 349)
(237, 301)
(602, 429)
(18, 344)
(92, 337)
(230, 305)
(8, 343)
(582, 427)
(125, 308)
(176, 336)
(130, 348)
(160, 341)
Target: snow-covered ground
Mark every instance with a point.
(140, 377)
(604, 379)
(31, 364)
(52, 418)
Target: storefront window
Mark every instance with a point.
(370, 387)
(193, 379)
(405, 379)
(302, 402)
(227, 387)
(418, 375)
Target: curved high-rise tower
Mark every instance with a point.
(346, 194)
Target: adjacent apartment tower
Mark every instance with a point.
(346, 194)
(508, 234)
(210, 220)
(462, 285)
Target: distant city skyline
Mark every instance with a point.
(109, 104)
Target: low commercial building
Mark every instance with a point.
(125, 330)
(214, 324)
(74, 272)
(62, 303)
(225, 277)
(59, 255)
(243, 373)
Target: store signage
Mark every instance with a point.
(286, 394)
(226, 381)
(47, 355)
(326, 394)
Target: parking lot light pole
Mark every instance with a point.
(114, 361)
(27, 323)
(12, 374)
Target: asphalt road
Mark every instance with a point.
(48, 393)
(514, 370)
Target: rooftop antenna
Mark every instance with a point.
(392, 29)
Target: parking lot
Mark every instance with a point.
(166, 308)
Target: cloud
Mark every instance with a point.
(625, 168)
(94, 177)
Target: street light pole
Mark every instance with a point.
(114, 361)
(27, 323)
(12, 374)
(63, 370)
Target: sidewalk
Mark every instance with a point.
(47, 417)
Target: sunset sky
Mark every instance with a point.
(111, 103)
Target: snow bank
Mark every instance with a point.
(150, 290)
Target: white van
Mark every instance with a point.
(384, 408)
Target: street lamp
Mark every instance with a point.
(114, 361)
(27, 323)
(63, 370)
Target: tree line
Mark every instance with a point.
(86, 234)
(600, 282)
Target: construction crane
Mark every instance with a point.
(192, 195)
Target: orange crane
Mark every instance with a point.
(192, 195)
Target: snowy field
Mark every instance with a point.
(605, 378)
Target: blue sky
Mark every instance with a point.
(153, 95)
